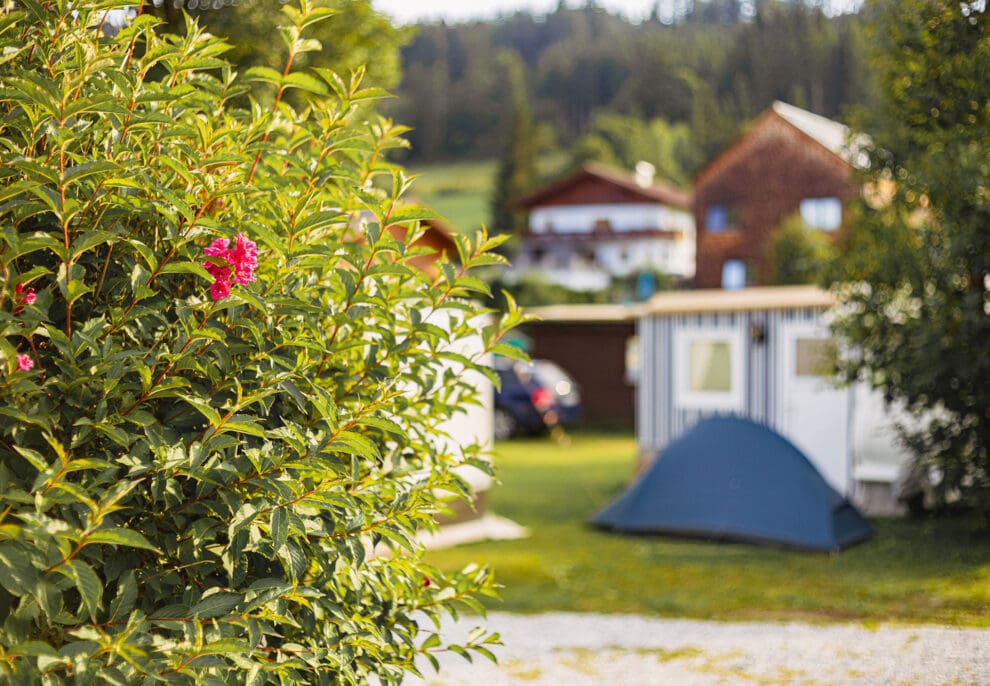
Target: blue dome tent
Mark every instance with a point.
(729, 478)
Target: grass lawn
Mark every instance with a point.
(912, 571)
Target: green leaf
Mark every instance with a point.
(279, 527)
(317, 14)
(294, 560)
(317, 220)
(460, 650)
(41, 421)
(74, 491)
(370, 94)
(411, 213)
(305, 82)
(352, 443)
(34, 649)
(474, 285)
(215, 605)
(181, 267)
(33, 456)
(263, 74)
(146, 253)
(90, 240)
(126, 597)
(510, 351)
(17, 575)
(89, 168)
(115, 433)
(88, 583)
(223, 647)
(484, 652)
(256, 676)
(203, 407)
(119, 536)
(253, 299)
(243, 424)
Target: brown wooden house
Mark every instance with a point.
(788, 161)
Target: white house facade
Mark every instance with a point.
(599, 224)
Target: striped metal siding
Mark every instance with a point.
(659, 419)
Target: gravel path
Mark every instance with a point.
(567, 649)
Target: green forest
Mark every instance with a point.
(671, 89)
(579, 83)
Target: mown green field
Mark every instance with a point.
(914, 571)
(460, 192)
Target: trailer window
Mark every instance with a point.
(813, 356)
(708, 366)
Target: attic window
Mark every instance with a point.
(822, 213)
(719, 218)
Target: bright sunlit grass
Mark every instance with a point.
(914, 571)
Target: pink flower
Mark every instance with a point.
(244, 257)
(22, 297)
(25, 363)
(237, 263)
(220, 289)
(27, 296)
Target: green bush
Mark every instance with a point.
(917, 305)
(205, 451)
(799, 254)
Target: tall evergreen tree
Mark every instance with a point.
(623, 141)
(517, 168)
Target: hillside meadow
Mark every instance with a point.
(460, 192)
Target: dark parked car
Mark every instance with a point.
(535, 396)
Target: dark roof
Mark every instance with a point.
(654, 191)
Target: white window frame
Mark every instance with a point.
(814, 210)
(685, 397)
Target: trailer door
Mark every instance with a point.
(815, 413)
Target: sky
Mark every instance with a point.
(409, 11)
